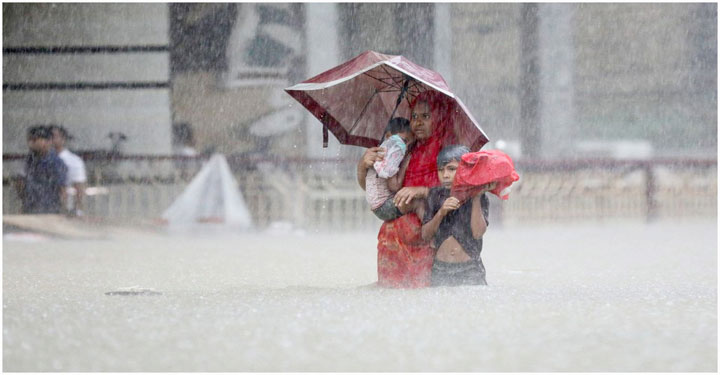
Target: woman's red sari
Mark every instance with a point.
(404, 259)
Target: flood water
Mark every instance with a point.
(612, 296)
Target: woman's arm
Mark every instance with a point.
(405, 195)
(430, 228)
(370, 156)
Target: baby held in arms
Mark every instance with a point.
(386, 176)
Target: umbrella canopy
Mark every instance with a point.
(356, 100)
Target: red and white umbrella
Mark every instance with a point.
(355, 100)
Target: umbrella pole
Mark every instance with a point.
(400, 97)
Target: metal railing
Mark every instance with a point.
(322, 194)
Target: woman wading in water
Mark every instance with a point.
(404, 259)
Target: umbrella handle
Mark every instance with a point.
(402, 94)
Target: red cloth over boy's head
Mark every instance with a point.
(479, 168)
(422, 168)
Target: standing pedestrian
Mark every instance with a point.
(43, 189)
(76, 176)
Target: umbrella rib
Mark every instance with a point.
(417, 86)
(383, 80)
(398, 80)
(362, 112)
(390, 80)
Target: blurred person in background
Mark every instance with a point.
(76, 176)
(42, 188)
(184, 139)
(184, 146)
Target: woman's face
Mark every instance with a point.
(421, 121)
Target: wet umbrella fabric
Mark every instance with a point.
(355, 100)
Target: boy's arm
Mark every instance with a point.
(395, 182)
(478, 225)
(430, 228)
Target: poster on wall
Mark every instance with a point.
(265, 45)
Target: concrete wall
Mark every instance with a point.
(643, 71)
(486, 65)
(94, 68)
(635, 68)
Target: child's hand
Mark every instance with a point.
(487, 187)
(450, 204)
(372, 155)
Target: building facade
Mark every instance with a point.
(94, 68)
(543, 76)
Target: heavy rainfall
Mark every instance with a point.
(211, 213)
